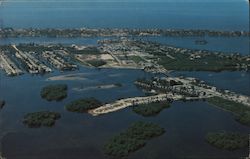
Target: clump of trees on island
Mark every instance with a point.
(241, 112)
(43, 118)
(150, 109)
(97, 63)
(83, 105)
(2, 103)
(244, 118)
(54, 92)
(132, 139)
(227, 140)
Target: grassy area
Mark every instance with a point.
(150, 109)
(244, 118)
(96, 63)
(83, 105)
(54, 92)
(231, 106)
(38, 119)
(227, 141)
(241, 112)
(211, 62)
(132, 139)
(136, 59)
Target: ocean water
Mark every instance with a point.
(178, 14)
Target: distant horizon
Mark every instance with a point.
(119, 1)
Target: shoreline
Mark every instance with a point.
(200, 91)
(117, 32)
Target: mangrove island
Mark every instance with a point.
(83, 105)
(43, 118)
(132, 139)
(227, 140)
(54, 92)
(150, 109)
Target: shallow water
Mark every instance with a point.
(83, 136)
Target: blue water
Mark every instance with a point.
(77, 135)
(208, 14)
(238, 82)
(83, 136)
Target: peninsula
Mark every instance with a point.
(116, 53)
(181, 88)
(54, 92)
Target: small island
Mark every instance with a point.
(54, 92)
(151, 109)
(43, 118)
(244, 118)
(132, 139)
(83, 105)
(227, 140)
(2, 103)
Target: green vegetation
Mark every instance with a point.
(227, 141)
(241, 112)
(132, 139)
(2, 103)
(96, 63)
(244, 118)
(209, 62)
(150, 109)
(54, 92)
(83, 105)
(136, 59)
(228, 105)
(118, 84)
(38, 119)
(173, 83)
(181, 59)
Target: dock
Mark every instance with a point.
(33, 64)
(9, 66)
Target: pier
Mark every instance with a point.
(9, 66)
(33, 64)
